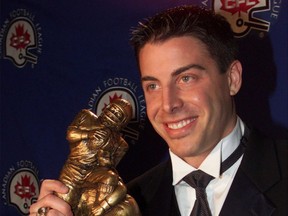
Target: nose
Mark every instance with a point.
(171, 100)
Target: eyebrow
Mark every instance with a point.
(148, 78)
(188, 67)
(176, 72)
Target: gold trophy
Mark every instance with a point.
(96, 147)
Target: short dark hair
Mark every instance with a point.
(210, 28)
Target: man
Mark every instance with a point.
(187, 59)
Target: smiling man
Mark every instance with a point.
(187, 57)
(188, 99)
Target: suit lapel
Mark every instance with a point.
(245, 199)
(257, 173)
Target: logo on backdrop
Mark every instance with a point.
(21, 38)
(245, 15)
(20, 186)
(119, 87)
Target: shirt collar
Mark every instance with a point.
(212, 162)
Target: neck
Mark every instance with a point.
(196, 161)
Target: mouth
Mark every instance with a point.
(180, 124)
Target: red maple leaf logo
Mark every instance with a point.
(20, 40)
(25, 189)
(238, 5)
(111, 99)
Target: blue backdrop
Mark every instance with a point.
(58, 58)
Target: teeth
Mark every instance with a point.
(179, 124)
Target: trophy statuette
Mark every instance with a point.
(96, 147)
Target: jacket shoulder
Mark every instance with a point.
(149, 177)
(145, 187)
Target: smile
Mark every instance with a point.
(180, 124)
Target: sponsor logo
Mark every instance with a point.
(20, 38)
(119, 87)
(245, 15)
(20, 186)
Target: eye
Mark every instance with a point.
(151, 86)
(187, 78)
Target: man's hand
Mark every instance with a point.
(48, 199)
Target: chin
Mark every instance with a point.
(182, 151)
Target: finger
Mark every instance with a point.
(51, 212)
(49, 186)
(57, 206)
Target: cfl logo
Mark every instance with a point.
(242, 14)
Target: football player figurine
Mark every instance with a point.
(96, 147)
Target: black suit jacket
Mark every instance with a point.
(259, 187)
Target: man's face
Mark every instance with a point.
(188, 100)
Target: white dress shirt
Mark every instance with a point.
(218, 188)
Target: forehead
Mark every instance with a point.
(172, 54)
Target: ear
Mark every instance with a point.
(235, 77)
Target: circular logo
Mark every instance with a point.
(118, 87)
(21, 40)
(20, 186)
(247, 15)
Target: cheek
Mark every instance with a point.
(202, 100)
(150, 109)
(195, 97)
(216, 103)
